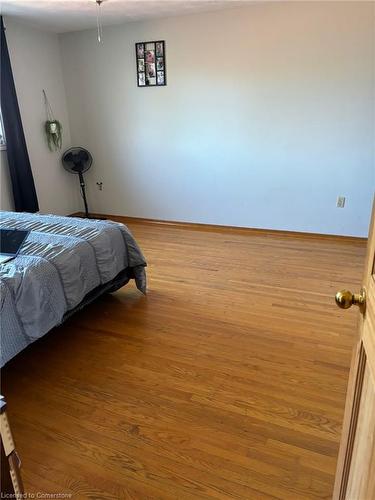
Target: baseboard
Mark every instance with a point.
(197, 226)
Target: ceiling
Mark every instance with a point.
(60, 16)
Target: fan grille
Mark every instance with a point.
(77, 160)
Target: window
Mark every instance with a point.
(2, 135)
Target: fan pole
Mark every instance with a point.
(83, 191)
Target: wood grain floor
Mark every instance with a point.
(227, 381)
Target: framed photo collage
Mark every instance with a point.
(151, 70)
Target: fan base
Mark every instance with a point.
(81, 215)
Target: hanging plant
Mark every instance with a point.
(52, 127)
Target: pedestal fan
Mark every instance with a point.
(78, 160)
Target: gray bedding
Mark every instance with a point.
(60, 263)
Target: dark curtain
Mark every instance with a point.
(24, 194)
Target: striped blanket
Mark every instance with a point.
(62, 260)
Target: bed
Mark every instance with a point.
(64, 264)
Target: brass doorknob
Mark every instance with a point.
(345, 299)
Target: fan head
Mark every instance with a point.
(77, 160)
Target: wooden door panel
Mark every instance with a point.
(355, 475)
(361, 481)
(368, 328)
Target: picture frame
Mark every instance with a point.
(150, 63)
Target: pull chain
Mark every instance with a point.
(99, 20)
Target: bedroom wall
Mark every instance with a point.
(6, 197)
(36, 64)
(268, 116)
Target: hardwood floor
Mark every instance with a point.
(227, 381)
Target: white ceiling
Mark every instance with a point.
(60, 16)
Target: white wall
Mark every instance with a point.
(268, 116)
(36, 64)
(6, 197)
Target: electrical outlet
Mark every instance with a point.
(340, 202)
(100, 186)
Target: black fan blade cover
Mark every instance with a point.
(77, 160)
